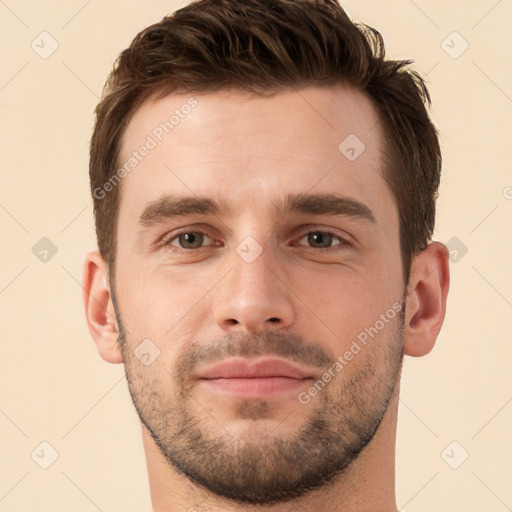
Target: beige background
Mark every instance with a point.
(53, 385)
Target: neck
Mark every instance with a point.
(368, 485)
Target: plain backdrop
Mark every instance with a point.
(453, 444)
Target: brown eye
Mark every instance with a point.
(189, 240)
(321, 239)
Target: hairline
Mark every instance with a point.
(390, 155)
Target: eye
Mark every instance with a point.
(189, 240)
(321, 239)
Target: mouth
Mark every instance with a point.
(254, 379)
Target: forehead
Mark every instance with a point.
(321, 139)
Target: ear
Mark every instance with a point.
(99, 309)
(426, 299)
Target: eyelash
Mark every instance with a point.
(343, 242)
(342, 245)
(166, 240)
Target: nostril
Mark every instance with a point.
(273, 320)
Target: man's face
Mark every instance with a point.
(249, 235)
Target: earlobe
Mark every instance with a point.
(99, 310)
(426, 299)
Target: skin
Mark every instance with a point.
(299, 296)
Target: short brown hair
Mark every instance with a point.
(264, 46)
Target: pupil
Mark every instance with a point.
(190, 240)
(322, 239)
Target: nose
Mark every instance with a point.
(252, 298)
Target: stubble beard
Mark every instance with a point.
(271, 466)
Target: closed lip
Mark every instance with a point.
(240, 368)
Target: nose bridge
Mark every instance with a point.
(252, 298)
(252, 274)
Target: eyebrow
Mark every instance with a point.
(169, 206)
(325, 204)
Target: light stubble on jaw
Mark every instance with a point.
(272, 466)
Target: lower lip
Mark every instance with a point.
(255, 387)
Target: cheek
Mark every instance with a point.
(164, 307)
(341, 305)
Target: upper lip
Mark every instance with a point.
(246, 369)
